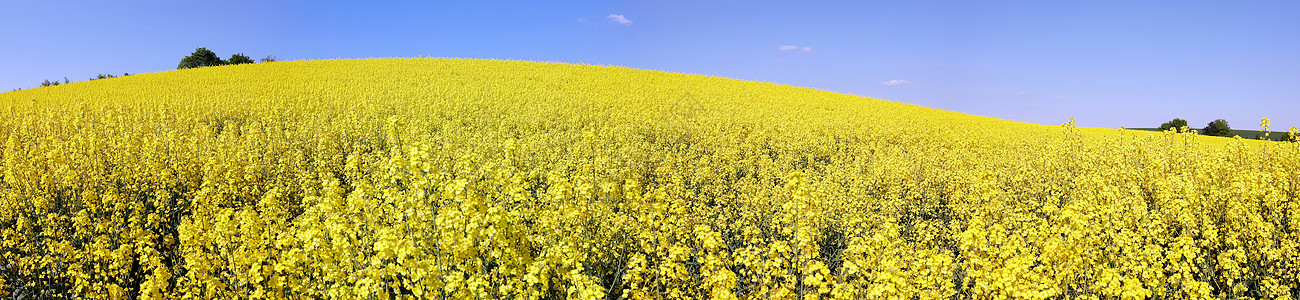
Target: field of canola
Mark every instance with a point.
(449, 178)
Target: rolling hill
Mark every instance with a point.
(452, 178)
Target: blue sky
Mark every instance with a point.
(1104, 63)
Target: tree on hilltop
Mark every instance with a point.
(1176, 124)
(239, 58)
(1217, 128)
(202, 57)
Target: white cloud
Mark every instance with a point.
(1058, 97)
(1020, 93)
(793, 47)
(620, 19)
(581, 20)
(895, 82)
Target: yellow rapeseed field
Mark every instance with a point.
(449, 178)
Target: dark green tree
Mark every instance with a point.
(1176, 124)
(1217, 128)
(202, 57)
(239, 58)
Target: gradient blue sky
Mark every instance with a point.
(1105, 63)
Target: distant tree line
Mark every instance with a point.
(1214, 128)
(1220, 127)
(47, 82)
(202, 57)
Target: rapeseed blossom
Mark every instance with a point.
(447, 178)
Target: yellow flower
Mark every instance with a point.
(449, 178)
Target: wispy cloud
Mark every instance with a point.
(1058, 97)
(895, 82)
(1020, 94)
(620, 19)
(793, 47)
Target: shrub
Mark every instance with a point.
(1217, 128)
(1176, 124)
(202, 57)
(239, 58)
